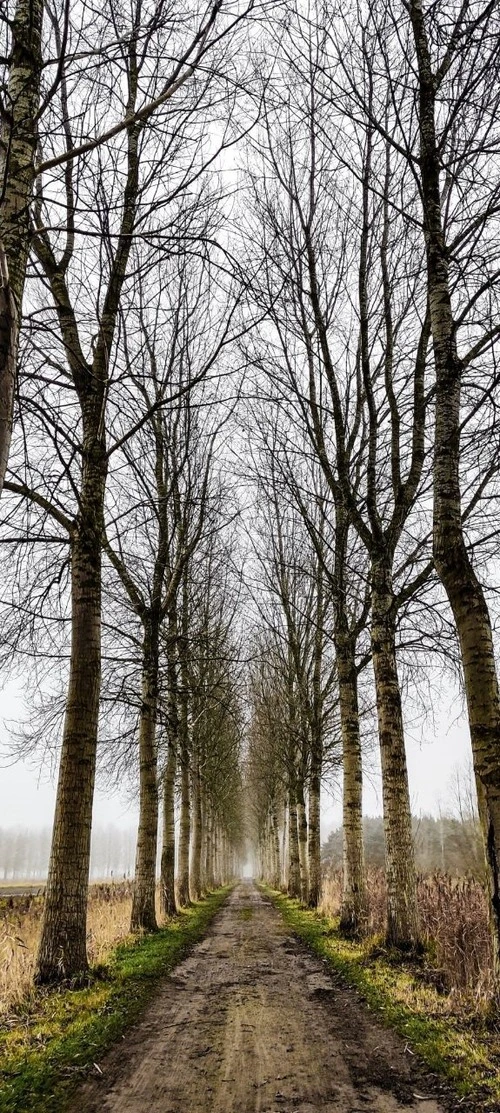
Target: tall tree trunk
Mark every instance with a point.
(451, 558)
(209, 852)
(293, 848)
(167, 871)
(167, 883)
(215, 845)
(402, 916)
(353, 912)
(275, 842)
(267, 852)
(195, 872)
(285, 857)
(316, 746)
(143, 904)
(184, 835)
(184, 754)
(314, 831)
(226, 861)
(302, 841)
(203, 846)
(17, 156)
(62, 942)
(62, 950)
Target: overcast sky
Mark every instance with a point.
(27, 793)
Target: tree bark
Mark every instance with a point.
(17, 158)
(184, 835)
(62, 952)
(402, 915)
(167, 883)
(196, 839)
(143, 916)
(226, 860)
(302, 842)
(285, 856)
(451, 558)
(353, 911)
(275, 846)
(167, 877)
(215, 847)
(209, 852)
(184, 754)
(203, 848)
(293, 849)
(314, 834)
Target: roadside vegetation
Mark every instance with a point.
(445, 1024)
(50, 1040)
(453, 918)
(108, 925)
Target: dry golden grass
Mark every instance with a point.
(20, 917)
(454, 925)
(453, 914)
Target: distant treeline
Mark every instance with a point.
(442, 843)
(446, 843)
(24, 854)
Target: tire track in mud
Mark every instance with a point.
(251, 1023)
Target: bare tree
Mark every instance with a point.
(355, 357)
(28, 126)
(122, 198)
(167, 467)
(462, 74)
(434, 100)
(216, 727)
(297, 616)
(21, 45)
(342, 564)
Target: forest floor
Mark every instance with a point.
(250, 1021)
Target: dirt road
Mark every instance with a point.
(250, 1023)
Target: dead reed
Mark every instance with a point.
(453, 921)
(107, 925)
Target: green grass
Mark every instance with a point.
(462, 1047)
(61, 1035)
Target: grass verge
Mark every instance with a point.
(463, 1048)
(60, 1035)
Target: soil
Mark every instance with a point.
(250, 1022)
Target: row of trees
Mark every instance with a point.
(292, 694)
(373, 222)
(353, 280)
(444, 842)
(110, 123)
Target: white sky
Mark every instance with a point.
(432, 762)
(27, 793)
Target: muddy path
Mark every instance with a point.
(251, 1023)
